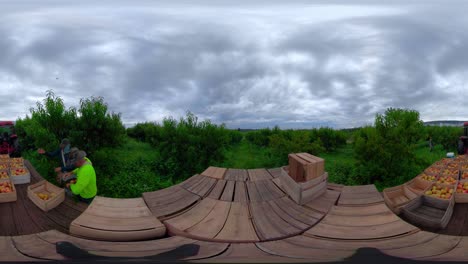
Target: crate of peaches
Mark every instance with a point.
(461, 193)
(7, 191)
(4, 165)
(46, 195)
(424, 176)
(4, 175)
(450, 172)
(20, 175)
(441, 191)
(433, 171)
(447, 180)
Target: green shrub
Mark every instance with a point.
(385, 153)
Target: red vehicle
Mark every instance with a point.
(7, 140)
(463, 141)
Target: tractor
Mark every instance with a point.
(463, 140)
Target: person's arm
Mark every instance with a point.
(81, 183)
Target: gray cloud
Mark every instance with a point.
(296, 65)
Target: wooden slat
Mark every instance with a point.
(33, 246)
(300, 213)
(228, 192)
(238, 226)
(7, 221)
(457, 253)
(240, 194)
(275, 172)
(286, 249)
(8, 251)
(262, 189)
(205, 187)
(217, 190)
(324, 202)
(136, 249)
(286, 217)
(439, 245)
(212, 224)
(259, 174)
(361, 232)
(192, 216)
(378, 219)
(274, 190)
(360, 211)
(246, 253)
(254, 195)
(236, 175)
(161, 207)
(268, 224)
(214, 172)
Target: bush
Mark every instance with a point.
(385, 153)
(90, 127)
(186, 146)
(445, 136)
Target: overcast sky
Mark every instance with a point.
(296, 64)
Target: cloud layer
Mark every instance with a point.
(245, 65)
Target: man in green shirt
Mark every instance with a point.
(85, 185)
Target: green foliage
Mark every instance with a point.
(331, 139)
(446, 136)
(294, 141)
(90, 127)
(385, 153)
(186, 146)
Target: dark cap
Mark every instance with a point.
(65, 141)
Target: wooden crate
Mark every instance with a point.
(398, 196)
(464, 175)
(461, 197)
(304, 192)
(316, 166)
(48, 188)
(445, 177)
(4, 165)
(4, 156)
(22, 178)
(449, 186)
(4, 174)
(433, 171)
(418, 185)
(304, 166)
(8, 197)
(420, 176)
(415, 210)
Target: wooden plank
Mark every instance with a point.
(8, 251)
(240, 194)
(458, 253)
(7, 221)
(262, 189)
(363, 211)
(286, 217)
(204, 188)
(117, 224)
(412, 239)
(217, 190)
(214, 172)
(24, 225)
(236, 175)
(259, 174)
(286, 249)
(213, 223)
(228, 192)
(139, 248)
(439, 245)
(169, 209)
(153, 199)
(268, 224)
(324, 202)
(254, 195)
(117, 202)
(191, 181)
(361, 232)
(238, 226)
(273, 189)
(192, 216)
(120, 213)
(300, 213)
(275, 172)
(246, 253)
(378, 219)
(370, 188)
(33, 246)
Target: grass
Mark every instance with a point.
(248, 156)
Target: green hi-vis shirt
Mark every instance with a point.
(85, 184)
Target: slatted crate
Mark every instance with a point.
(48, 188)
(10, 196)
